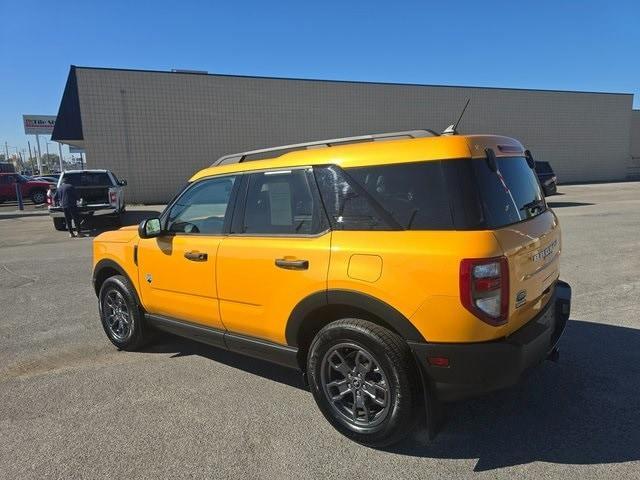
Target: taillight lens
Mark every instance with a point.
(112, 197)
(484, 288)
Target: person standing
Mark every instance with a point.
(67, 198)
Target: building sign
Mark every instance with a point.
(38, 124)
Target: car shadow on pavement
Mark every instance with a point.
(94, 226)
(182, 347)
(568, 204)
(583, 410)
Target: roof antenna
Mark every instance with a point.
(453, 129)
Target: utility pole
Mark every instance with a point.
(60, 151)
(6, 152)
(39, 157)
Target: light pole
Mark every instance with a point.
(46, 146)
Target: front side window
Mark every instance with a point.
(282, 202)
(202, 207)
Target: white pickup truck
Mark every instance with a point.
(98, 191)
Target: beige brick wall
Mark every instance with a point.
(156, 129)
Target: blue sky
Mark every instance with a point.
(578, 45)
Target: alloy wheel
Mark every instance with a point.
(117, 315)
(355, 385)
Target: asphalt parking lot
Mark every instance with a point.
(71, 406)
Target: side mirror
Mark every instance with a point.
(150, 228)
(530, 161)
(491, 160)
(122, 183)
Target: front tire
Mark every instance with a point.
(364, 381)
(122, 319)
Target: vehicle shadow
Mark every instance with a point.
(568, 204)
(94, 226)
(582, 410)
(183, 347)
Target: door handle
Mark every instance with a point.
(292, 264)
(196, 256)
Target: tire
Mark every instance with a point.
(38, 197)
(386, 371)
(122, 319)
(59, 224)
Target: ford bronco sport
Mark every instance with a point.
(394, 270)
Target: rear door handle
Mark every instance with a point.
(196, 256)
(292, 264)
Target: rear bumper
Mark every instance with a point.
(478, 368)
(104, 209)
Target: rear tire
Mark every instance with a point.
(364, 380)
(59, 224)
(38, 197)
(122, 319)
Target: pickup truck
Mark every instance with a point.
(34, 189)
(98, 191)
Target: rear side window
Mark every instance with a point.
(347, 204)
(410, 196)
(283, 202)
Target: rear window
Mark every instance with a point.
(88, 179)
(543, 167)
(483, 198)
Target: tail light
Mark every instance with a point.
(112, 197)
(484, 288)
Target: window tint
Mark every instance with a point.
(89, 179)
(202, 207)
(348, 205)
(510, 195)
(543, 167)
(411, 196)
(282, 202)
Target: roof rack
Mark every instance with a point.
(273, 151)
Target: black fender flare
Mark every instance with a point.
(354, 299)
(110, 264)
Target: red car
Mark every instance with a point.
(34, 189)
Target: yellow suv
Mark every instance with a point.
(394, 270)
